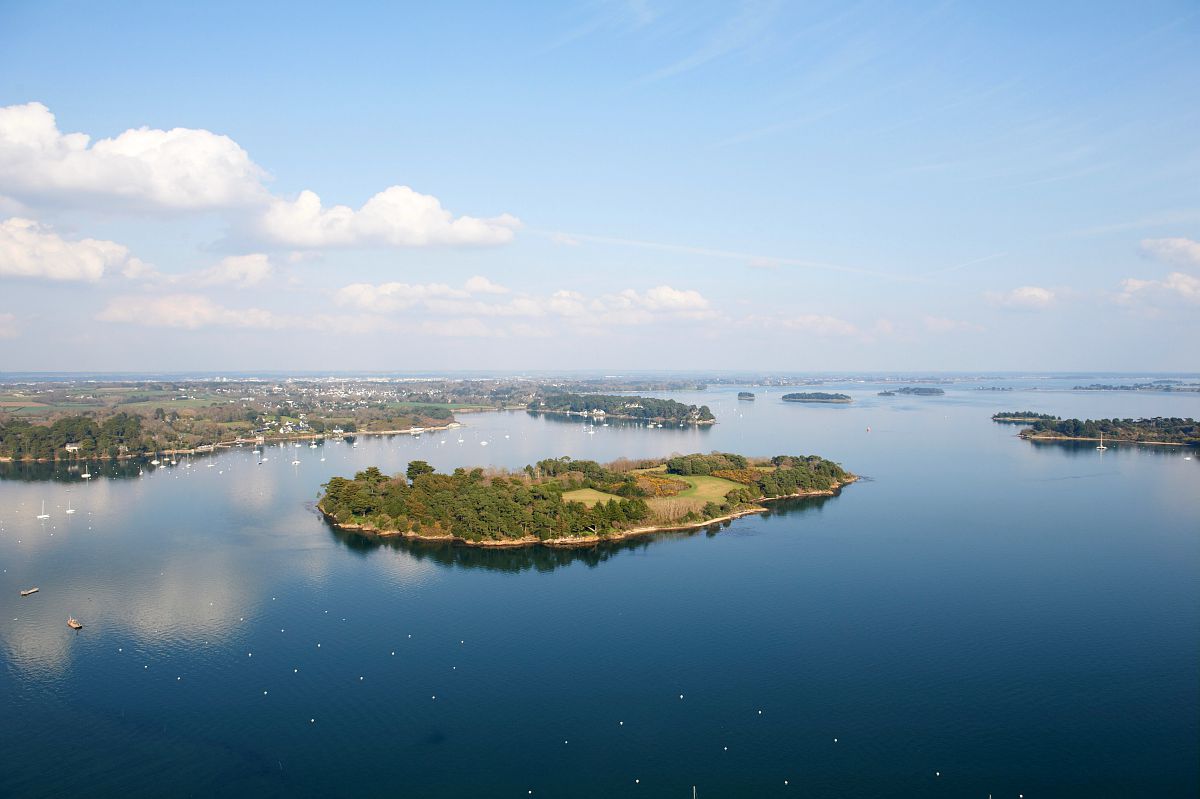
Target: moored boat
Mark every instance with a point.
(29, 591)
(74, 624)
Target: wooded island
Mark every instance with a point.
(598, 406)
(816, 396)
(1159, 430)
(565, 502)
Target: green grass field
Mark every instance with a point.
(588, 496)
(705, 488)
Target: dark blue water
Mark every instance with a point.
(1020, 618)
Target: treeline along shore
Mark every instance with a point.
(601, 406)
(564, 502)
(1158, 430)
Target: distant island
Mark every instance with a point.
(745, 395)
(816, 396)
(566, 503)
(600, 406)
(1019, 417)
(1159, 430)
(921, 391)
(1154, 385)
(886, 394)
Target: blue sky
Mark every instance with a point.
(851, 186)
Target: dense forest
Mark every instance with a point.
(119, 434)
(1016, 417)
(1159, 430)
(816, 396)
(536, 504)
(646, 408)
(921, 391)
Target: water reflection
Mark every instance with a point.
(627, 424)
(73, 471)
(1077, 449)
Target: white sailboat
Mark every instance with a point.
(69, 508)
(1101, 447)
(43, 514)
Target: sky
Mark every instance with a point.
(819, 186)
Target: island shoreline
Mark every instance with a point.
(574, 542)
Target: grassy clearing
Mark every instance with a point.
(588, 496)
(707, 489)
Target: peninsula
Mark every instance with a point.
(816, 396)
(569, 503)
(602, 406)
(1159, 430)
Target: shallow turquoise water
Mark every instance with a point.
(1023, 619)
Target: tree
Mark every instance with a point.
(418, 468)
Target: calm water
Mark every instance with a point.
(1023, 619)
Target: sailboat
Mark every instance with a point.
(43, 514)
(1101, 447)
(69, 508)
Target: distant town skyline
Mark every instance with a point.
(637, 186)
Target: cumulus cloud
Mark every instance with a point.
(8, 325)
(187, 312)
(29, 249)
(1177, 287)
(191, 169)
(177, 169)
(1033, 298)
(1175, 250)
(395, 217)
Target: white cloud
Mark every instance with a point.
(179, 169)
(386, 297)
(664, 298)
(941, 325)
(479, 297)
(187, 312)
(481, 285)
(1175, 250)
(191, 169)
(8, 325)
(1024, 297)
(29, 249)
(238, 270)
(396, 217)
(1175, 288)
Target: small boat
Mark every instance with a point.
(295, 463)
(43, 514)
(29, 591)
(69, 508)
(74, 624)
(1101, 442)
(86, 475)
